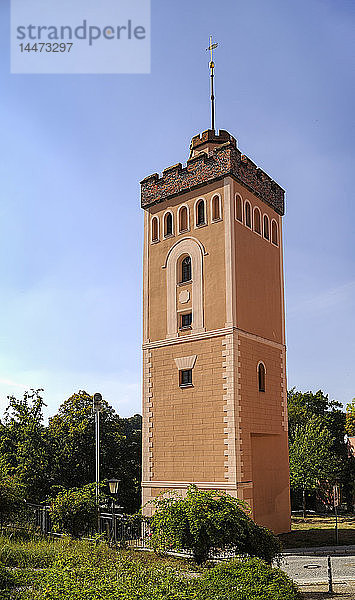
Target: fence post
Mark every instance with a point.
(330, 578)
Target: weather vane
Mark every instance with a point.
(211, 47)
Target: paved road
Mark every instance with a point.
(313, 569)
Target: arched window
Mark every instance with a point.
(216, 211)
(183, 222)
(266, 227)
(201, 213)
(168, 224)
(274, 233)
(261, 377)
(239, 208)
(247, 214)
(155, 229)
(186, 274)
(257, 220)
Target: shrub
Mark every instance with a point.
(248, 579)
(73, 511)
(11, 495)
(203, 521)
(6, 578)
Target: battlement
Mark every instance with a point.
(222, 160)
(210, 136)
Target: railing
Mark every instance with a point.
(117, 528)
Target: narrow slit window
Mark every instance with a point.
(185, 377)
(257, 220)
(201, 220)
(261, 377)
(216, 213)
(183, 219)
(274, 233)
(247, 215)
(168, 225)
(155, 229)
(266, 227)
(186, 274)
(239, 209)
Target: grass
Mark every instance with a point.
(319, 531)
(42, 569)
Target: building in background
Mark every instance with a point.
(214, 380)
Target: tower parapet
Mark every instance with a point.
(213, 157)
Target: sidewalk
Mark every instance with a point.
(319, 551)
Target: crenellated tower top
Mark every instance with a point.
(213, 156)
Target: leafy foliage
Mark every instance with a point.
(316, 407)
(310, 455)
(71, 433)
(11, 493)
(72, 511)
(24, 444)
(203, 521)
(6, 578)
(248, 579)
(80, 570)
(350, 418)
(62, 455)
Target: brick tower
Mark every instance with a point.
(214, 372)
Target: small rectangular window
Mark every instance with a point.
(185, 377)
(186, 320)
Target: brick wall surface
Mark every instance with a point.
(225, 160)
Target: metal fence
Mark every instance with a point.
(117, 528)
(114, 526)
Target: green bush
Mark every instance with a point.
(6, 578)
(83, 570)
(36, 552)
(206, 521)
(11, 495)
(73, 511)
(248, 579)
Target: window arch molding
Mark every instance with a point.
(248, 215)
(165, 218)
(155, 230)
(261, 375)
(266, 227)
(196, 209)
(274, 233)
(219, 218)
(239, 208)
(191, 247)
(179, 218)
(257, 220)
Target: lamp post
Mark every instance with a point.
(113, 485)
(96, 407)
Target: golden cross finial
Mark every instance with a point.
(211, 47)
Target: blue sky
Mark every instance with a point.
(74, 148)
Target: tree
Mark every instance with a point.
(350, 418)
(303, 406)
(73, 511)
(203, 521)
(11, 493)
(24, 443)
(311, 459)
(72, 437)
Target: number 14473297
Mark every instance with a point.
(46, 47)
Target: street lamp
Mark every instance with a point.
(113, 485)
(96, 407)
